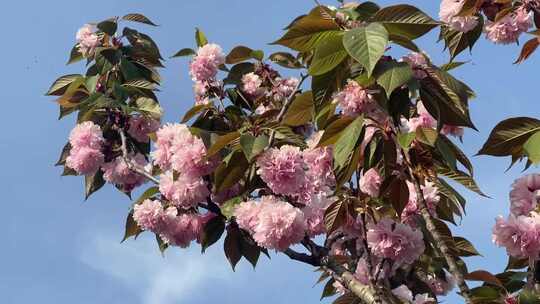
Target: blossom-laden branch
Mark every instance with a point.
(131, 165)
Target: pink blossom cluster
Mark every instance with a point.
(425, 120)
(520, 232)
(314, 213)
(370, 182)
(87, 40)
(405, 294)
(251, 84)
(418, 63)
(274, 224)
(395, 241)
(289, 171)
(520, 235)
(85, 156)
(508, 29)
(284, 87)
(525, 194)
(173, 228)
(140, 127)
(448, 14)
(354, 99)
(203, 70)
(412, 209)
(182, 157)
(118, 172)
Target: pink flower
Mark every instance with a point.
(452, 130)
(423, 299)
(87, 135)
(423, 120)
(247, 214)
(87, 39)
(186, 191)
(251, 84)
(117, 172)
(395, 241)
(354, 99)
(418, 63)
(180, 150)
(439, 286)
(508, 29)
(520, 235)
(370, 182)
(84, 160)
(205, 64)
(282, 169)
(314, 214)
(412, 209)
(362, 271)
(180, 229)
(284, 88)
(448, 14)
(320, 173)
(140, 127)
(279, 225)
(148, 214)
(525, 194)
(403, 293)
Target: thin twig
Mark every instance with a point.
(284, 109)
(131, 165)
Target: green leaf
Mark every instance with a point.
(149, 106)
(335, 215)
(253, 146)
(229, 173)
(138, 18)
(286, 60)
(529, 297)
(484, 294)
(366, 44)
(333, 131)
(328, 54)
(140, 84)
(108, 27)
(75, 55)
(452, 65)
(462, 178)
(200, 38)
(532, 148)
(60, 85)
(447, 153)
(305, 33)
(508, 137)
(300, 111)
(405, 139)
(243, 53)
(347, 141)
(212, 232)
(392, 75)
(329, 289)
(131, 228)
(457, 41)
(483, 276)
(221, 142)
(93, 183)
(405, 20)
(427, 136)
(184, 52)
(227, 208)
(147, 194)
(196, 109)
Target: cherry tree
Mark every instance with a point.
(349, 167)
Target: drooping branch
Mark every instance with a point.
(131, 165)
(432, 229)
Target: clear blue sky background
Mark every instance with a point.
(58, 249)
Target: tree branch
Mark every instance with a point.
(432, 229)
(131, 165)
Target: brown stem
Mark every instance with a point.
(131, 165)
(432, 229)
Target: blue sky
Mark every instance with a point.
(59, 249)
